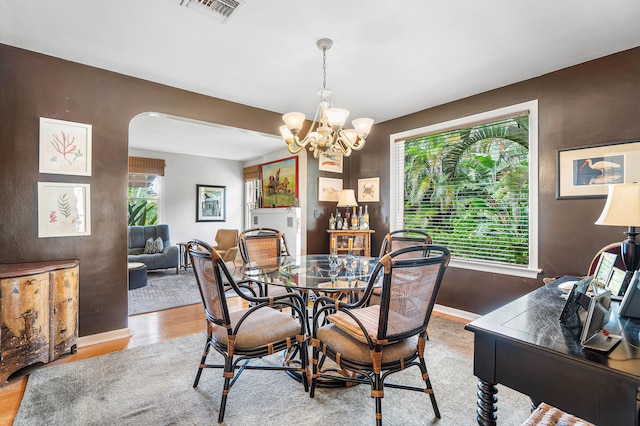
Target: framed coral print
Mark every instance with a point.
(211, 203)
(330, 162)
(64, 209)
(369, 190)
(279, 183)
(65, 147)
(329, 189)
(586, 172)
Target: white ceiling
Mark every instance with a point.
(389, 58)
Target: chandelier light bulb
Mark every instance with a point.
(294, 121)
(337, 116)
(362, 125)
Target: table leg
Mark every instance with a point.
(487, 403)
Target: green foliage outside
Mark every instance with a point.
(469, 189)
(142, 211)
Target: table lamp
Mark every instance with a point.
(623, 209)
(347, 198)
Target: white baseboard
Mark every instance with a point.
(94, 339)
(469, 316)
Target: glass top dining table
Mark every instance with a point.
(316, 272)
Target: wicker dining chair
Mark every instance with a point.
(404, 238)
(369, 343)
(263, 243)
(400, 239)
(254, 332)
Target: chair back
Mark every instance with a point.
(226, 238)
(208, 268)
(409, 289)
(261, 243)
(404, 238)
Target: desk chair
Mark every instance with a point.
(371, 342)
(255, 332)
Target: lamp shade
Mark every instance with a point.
(347, 198)
(622, 207)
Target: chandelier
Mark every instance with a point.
(326, 133)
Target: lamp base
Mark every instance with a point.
(631, 250)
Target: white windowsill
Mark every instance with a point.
(495, 268)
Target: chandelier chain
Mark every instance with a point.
(324, 68)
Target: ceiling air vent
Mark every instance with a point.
(220, 9)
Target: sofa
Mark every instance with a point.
(138, 236)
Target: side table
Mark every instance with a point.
(185, 261)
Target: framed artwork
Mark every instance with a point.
(585, 172)
(369, 190)
(64, 209)
(330, 162)
(211, 203)
(65, 147)
(329, 189)
(279, 183)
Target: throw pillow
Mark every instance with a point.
(152, 247)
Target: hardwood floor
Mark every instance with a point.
(145, 329)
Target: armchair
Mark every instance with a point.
(227, 244)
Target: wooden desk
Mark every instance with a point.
(522, 345)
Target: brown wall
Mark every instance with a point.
(592, 103)
(33, 86)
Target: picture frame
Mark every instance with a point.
(330, 162)
(65, 147)
(279, 183)
(369, 190)
(64, 209)
(211, 203)
(586, 172)
(329, 189)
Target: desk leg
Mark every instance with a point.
(487, 403)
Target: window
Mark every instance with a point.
(251, 192)
(472, 185)
(143, 195)
(143, 199)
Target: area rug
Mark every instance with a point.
(164, 290)
(152, 385)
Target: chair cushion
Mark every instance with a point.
(352, 349)
(263, 326)
(369, 317)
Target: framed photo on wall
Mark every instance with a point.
(330, 162)
(65, 147)
(586, 172)
(369, 190)
(211, 203)
(64, 209)
(329, 189)
(279, 183)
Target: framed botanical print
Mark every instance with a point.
(65, 147)
(64, 209)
